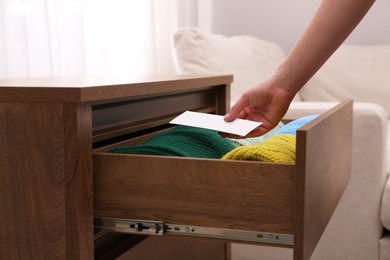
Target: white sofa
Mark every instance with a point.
(358, 228)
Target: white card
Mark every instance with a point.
(215, 122)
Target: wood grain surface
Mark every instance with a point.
(323, 172)
(45, 165)
(209, 193)
(90, 89)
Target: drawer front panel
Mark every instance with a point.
(202, 192)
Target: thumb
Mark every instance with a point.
(236, 110)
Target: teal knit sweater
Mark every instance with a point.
(182, 141)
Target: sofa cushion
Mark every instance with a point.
(384, 247)
(354, 71)
(385, 211)
(249, 59)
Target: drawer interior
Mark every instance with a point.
(119, 119)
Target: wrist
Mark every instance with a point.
(286, 80)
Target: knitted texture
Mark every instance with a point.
(291, 128)
(255, 140)
(182, 141)
(278, 148)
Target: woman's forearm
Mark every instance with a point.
(269, 101)
(331, 25)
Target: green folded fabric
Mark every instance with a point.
(182, 141)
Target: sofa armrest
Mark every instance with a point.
(355, 226)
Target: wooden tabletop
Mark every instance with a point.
(87, 88)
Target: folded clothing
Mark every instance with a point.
(291, 128)
(183, 141)
(278, 148)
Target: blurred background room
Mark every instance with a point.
(41, 38)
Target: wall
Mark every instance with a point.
(283, 21)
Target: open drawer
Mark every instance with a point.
(278, 204)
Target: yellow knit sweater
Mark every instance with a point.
(278, 148)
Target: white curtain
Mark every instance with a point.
(40, 38)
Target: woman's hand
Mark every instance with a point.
(266, 103)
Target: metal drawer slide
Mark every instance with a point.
(148, 227)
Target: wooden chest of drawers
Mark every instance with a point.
(57, 180)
